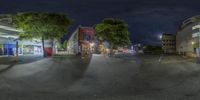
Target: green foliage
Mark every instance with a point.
(64, 45)
(24, 36)
(195, 45)
(152, 48)
(114, 31)
(37, 25)
(148, 49)
(196, 19)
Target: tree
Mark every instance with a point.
(64, 45)
(150, 49)
(115, 31)
(41, 25)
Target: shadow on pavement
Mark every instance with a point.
(7, 68)
(28, 59)
(19, 59)
(46, 75)
(76, 66)
(12, 61)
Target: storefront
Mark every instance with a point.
(28, 49)
(85, 48)
(37, 50)
(9, 49)
(9, 39)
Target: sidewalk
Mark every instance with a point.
(3, 67)
(7, 62)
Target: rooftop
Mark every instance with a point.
(167, 34)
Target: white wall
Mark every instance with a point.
(184, 39)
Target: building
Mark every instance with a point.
(7, 35)
(81, 41)
(168, 43)
(184, 38)
(196, 39)
(9, 40)
(152, 49)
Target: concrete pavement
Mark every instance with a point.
(101, 78)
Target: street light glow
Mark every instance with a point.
(160, 36)
(91, 44)
(192, 43)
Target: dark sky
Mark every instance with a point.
(146, 18)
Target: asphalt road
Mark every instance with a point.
(102, 78)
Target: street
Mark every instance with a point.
(102, 78)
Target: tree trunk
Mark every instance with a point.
(44, 54)
(53, 49)
(17, 46)
(111, 49)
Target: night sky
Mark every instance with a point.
(146, 18)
